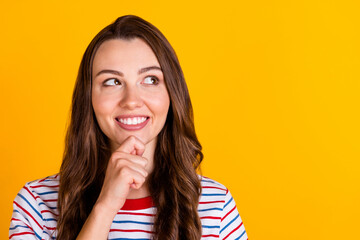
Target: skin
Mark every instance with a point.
(132, 92)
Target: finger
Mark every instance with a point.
(124, 163)
(116, 156)
(137, 184)
(132, 145)
(133, 178)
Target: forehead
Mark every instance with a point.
(119, 53)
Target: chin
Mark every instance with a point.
(144, 139)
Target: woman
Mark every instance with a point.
(131, 155)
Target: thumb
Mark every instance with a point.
(138, 152)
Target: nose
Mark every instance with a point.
(131, 98)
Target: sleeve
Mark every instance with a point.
(26, 221)
(231, 225)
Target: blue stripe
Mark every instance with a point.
(213, 194)
(37, 235)
(30, 205)
(47, 206)
(240, 236)
(17, 227)
(228, 202)
(44, 193)
(229, 223)
(209, 181)
(50, 219)
(144, 223)
(209, 209)
(204, 226)
(52, 237)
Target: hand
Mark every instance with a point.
(125, 170)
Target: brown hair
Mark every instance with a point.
(177, 155)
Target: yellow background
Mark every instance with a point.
(275, 89)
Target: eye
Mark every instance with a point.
(151, 80)
(112, 82)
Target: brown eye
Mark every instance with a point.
(112, 82)
(152, 80)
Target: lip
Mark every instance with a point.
(132, 127)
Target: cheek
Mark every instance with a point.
(160, 104)
(102, 105)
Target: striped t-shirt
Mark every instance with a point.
(35, 213)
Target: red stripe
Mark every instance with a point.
(212, 202)
(15, 219)
(18, 234)
(210, 235)
(50, 228)
(209, 217)
(44, 186)
(30, 192)
(140, 214)
(138, 204)
(233, 231)
(214, 187)
(228, 213)
(50, 200)
(130, 230)
(42, 180)
(28, 214)
(45, 211)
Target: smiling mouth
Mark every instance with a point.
(132, 120)
(132, 123)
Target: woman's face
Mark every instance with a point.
(129, 95)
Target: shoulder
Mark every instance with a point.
(44, 183)
(213, 194)
(216, 195)
(42, 188)
(216, 202)
(214, 191)
(35, 208)
(39, 191)
(39, 194)
(211, 187)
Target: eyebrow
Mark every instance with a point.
(119, 73)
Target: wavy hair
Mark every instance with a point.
(177, 154)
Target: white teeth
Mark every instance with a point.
(132, 121)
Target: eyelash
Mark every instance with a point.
(107, 80)
(156, 82)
